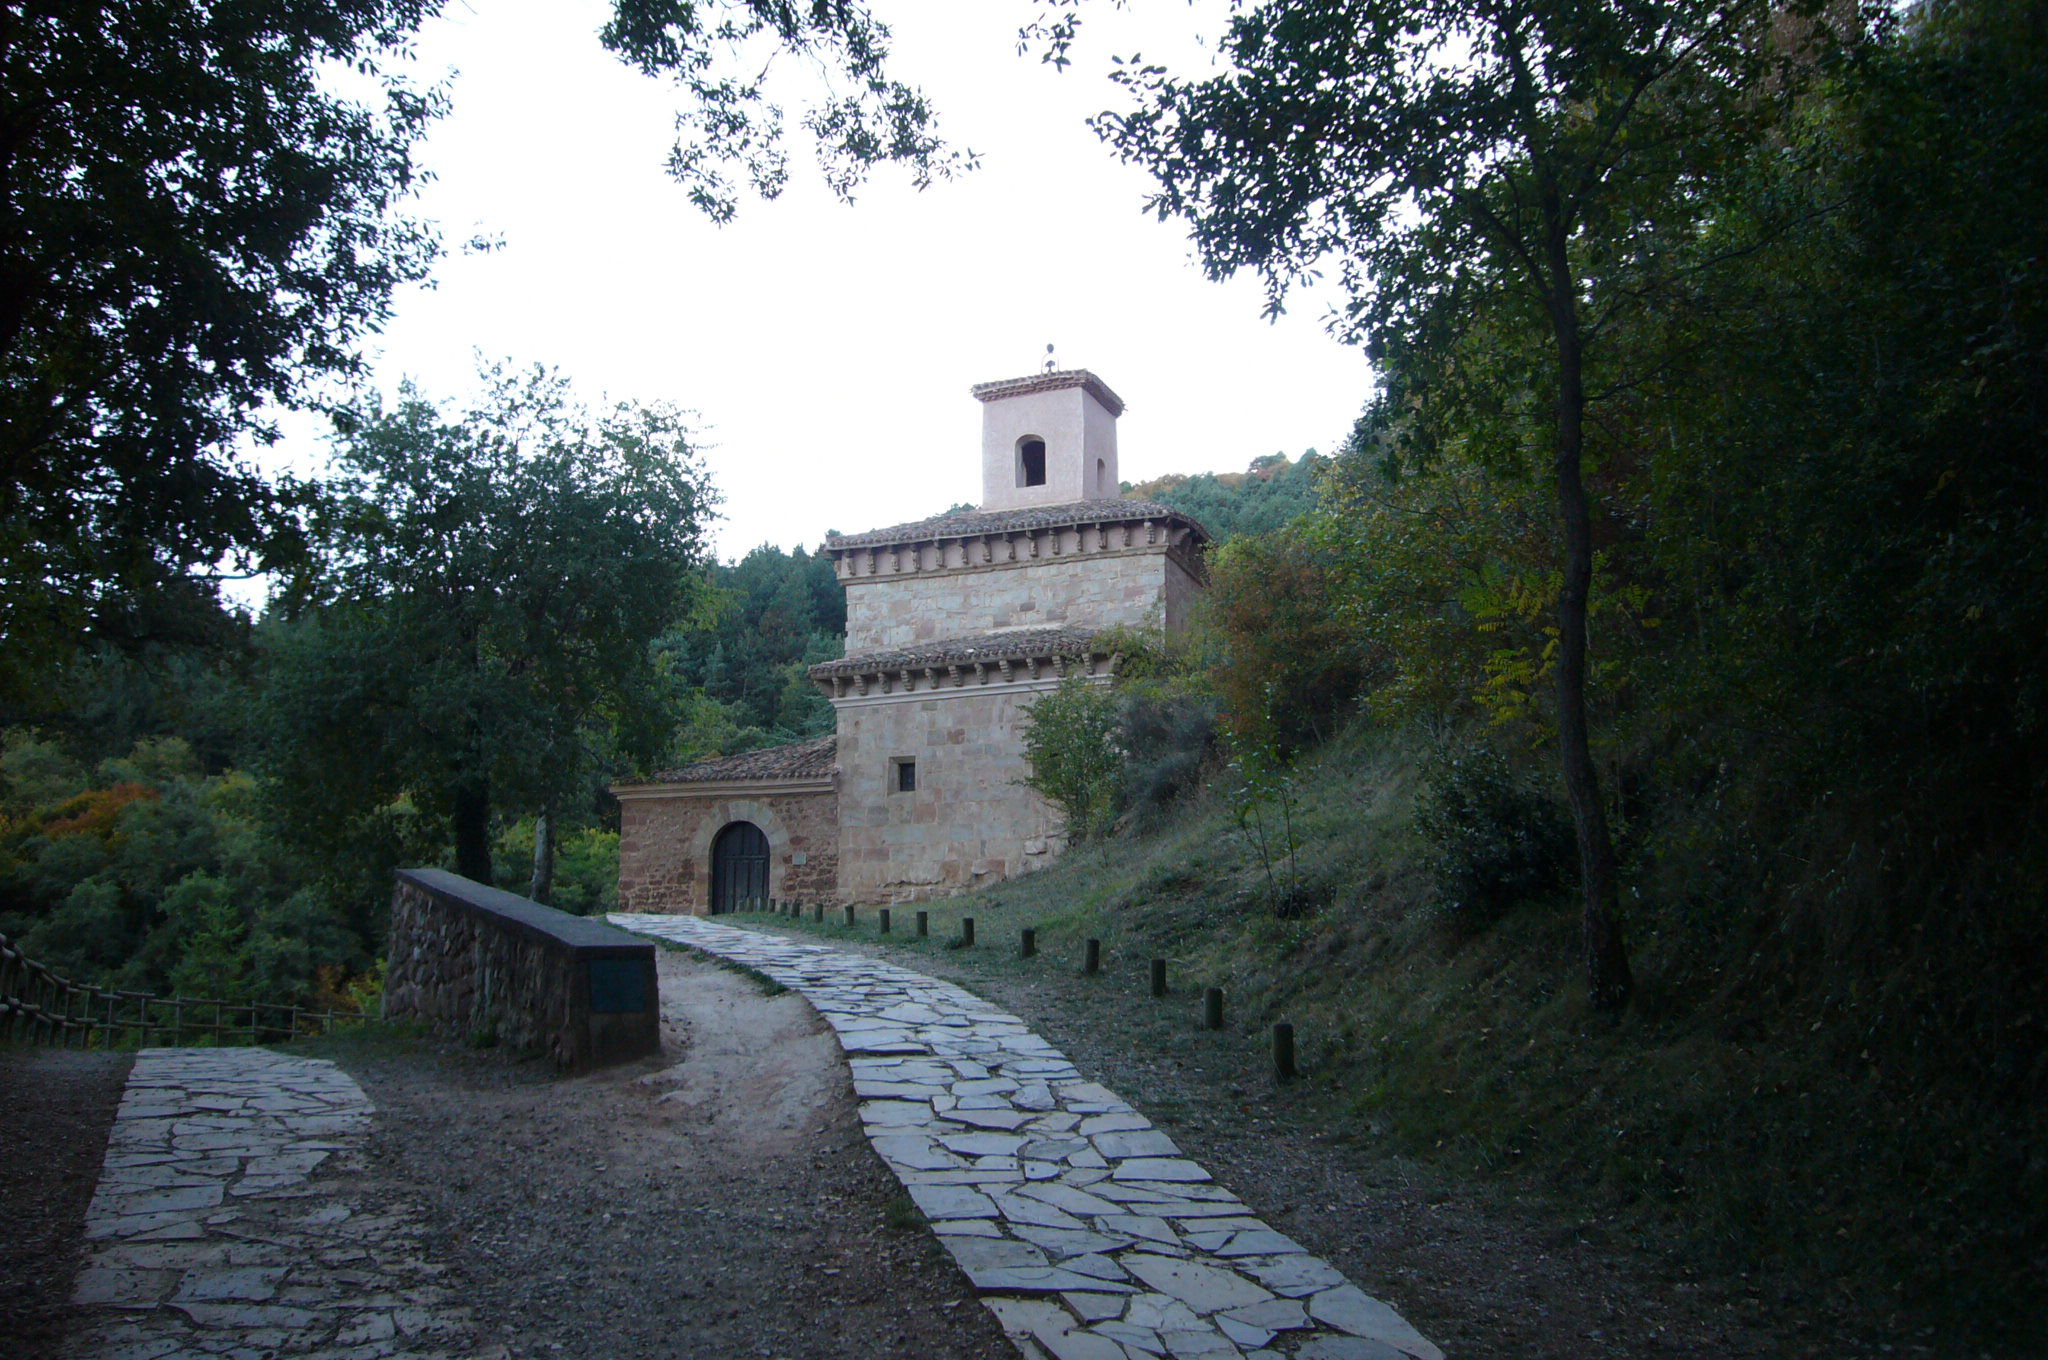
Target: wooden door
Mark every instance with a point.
(739, 868)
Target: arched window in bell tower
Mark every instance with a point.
(1031, 461)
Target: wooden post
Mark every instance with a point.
(1283, 1051)
(967, 932)
(1212, 1008)
(1159, 977)
(924, 924)
(849, 916)
(882, 920)
(1091, 959)
(1027, 944)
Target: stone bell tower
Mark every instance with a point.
(1049, 439)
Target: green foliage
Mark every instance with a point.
(1273, 491)
(1259, 788)
(1286, 668)
(36, 772)
(196, 225)
(586, 867)
(1771, 317)
(743, 666)
(1501, 188)
(157, 877)
(1167, 731)
(1444, 580)
(211, 940)
(1070, 741)
(1493, 842)
(193, 683)
(477, 631)
(721, 52)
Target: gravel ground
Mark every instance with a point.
(1480, 1271)
(718, 1202)
(56, 1106)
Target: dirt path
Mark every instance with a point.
(55, 1108)
(718, 1203)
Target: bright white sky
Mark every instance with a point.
(828, 349)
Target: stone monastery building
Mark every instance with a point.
(954, 626)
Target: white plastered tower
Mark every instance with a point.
(1049, 439)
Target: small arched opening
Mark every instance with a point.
(1102, 479)
(1031, 461)
(739, 867)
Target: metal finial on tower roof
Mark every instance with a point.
(1050, 362)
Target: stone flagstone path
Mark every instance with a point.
(211, 1237)
(1083, 1228)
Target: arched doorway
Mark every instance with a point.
(739, 867)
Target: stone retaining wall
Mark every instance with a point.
(471, 961)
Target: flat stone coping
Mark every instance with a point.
(524, 916)
(231, 1219)
(1081, 1225)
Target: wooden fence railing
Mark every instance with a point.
(40, 1006)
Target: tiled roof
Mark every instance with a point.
(1022, 642)
(803, 760)
(968, 523)
(1051, 382)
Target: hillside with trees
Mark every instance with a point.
(1272, 491)
(1743, 503)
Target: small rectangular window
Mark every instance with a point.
(906, 776)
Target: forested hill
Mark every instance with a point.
(1272, 491)
(767, 619)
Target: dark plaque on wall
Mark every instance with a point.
(618, 986)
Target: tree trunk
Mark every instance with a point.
(473, 831)
(543, 884)
(1608, 979)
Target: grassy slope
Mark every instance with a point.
(1748, 1136)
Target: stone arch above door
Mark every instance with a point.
(723, 813)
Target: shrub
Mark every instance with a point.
(1168, 733)
(1287, 667)
(1493, 842)
(1070, 739)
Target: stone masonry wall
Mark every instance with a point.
(466, 959)
(666, 834)
(1097, 589)
(968, 822)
